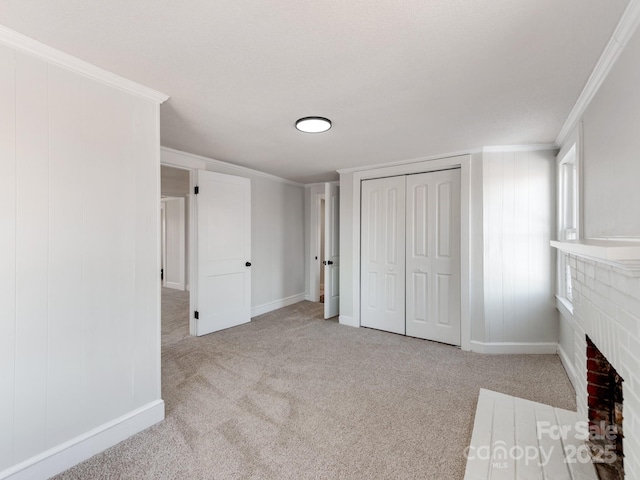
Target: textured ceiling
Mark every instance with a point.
(400, 79)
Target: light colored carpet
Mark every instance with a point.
(175, 316)
(292, 396)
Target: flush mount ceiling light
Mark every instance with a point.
(313, 124)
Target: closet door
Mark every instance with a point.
(433, 256)
(382, 265)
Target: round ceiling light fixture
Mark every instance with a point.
(313, 124)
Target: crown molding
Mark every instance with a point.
(200, 160)
(32, 47)
(534, 147)
(469, 151)
(621, 35)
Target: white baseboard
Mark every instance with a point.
(308, 297)
(349, 321)
(78, 449)
(174, 285)
(542, 348)
(276, 304)
(568, 365)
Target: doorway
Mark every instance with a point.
(322, 259)
(174, 240)
(324, 247)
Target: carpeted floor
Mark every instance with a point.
(292, 396)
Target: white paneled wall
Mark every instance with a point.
(79, 257)
(519, 265)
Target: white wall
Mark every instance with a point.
(519, 265)
(277, 230)
(174, 268)
(611, 150)
(79, 256)
(610, 164)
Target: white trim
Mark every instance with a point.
(70, 453)
(308, 298)
(202, 162)
(398, 163)
(508, 348)
(316, 184)
(469, 151)
(348, 321)
(464, 163)
(533, 147)
(621, 35)
(30, 46)
(568, 366)
(276, 304)
(564, 306)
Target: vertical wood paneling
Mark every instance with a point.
(79, 243)
(32, 235)
(65, 265)
(7, 252)
(493, 246)
(510, 238)
(107, 338)
(518, 224)
(146, 331)
(521, 266)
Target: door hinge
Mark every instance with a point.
(162, 274)
(196, 190)
(196, 315)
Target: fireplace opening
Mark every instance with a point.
(604, 391)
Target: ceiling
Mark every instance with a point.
(400, 79)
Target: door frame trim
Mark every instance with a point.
(464, 163)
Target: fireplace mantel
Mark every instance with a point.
(619, 252)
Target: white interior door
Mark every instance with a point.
(331, 250)
(223, 251)
(433, 256)
(382, 264)
(174, 243)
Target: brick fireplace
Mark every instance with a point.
(606, 303)
(605, 404)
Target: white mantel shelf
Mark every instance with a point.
(622, 253)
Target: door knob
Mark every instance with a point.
(329, 262)
(248, 264)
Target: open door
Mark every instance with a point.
(223, 251)
(332, 250)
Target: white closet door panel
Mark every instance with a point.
(383, 253)
(433, 256)
(65, 265)
(107, 329)
(32, 232)
(7, 252)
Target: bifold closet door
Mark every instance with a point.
(382, 265)
(433, 256)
